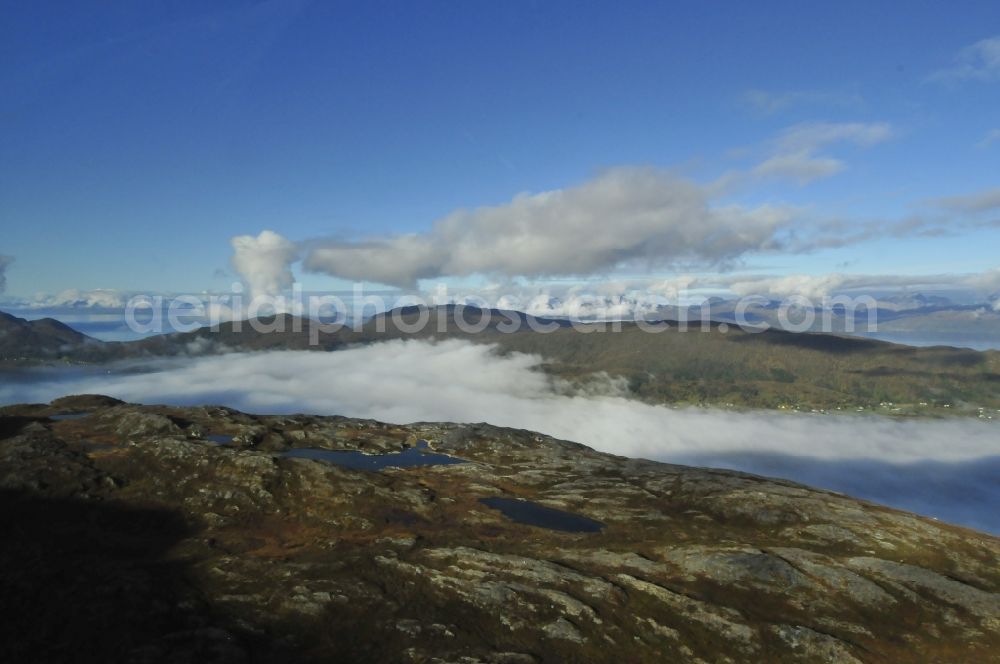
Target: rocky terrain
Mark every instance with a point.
(148, 534)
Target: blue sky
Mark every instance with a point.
(139, 138)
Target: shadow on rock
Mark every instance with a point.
(88, 580)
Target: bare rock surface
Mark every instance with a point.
(147, 534)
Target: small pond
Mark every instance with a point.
(533, 514)
(410, 458)
(67, 416)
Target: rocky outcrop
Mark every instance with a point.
(164, 545)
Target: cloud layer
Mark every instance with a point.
(795, 155)
(770, 102)
(975, 202)
(980, 61)
(624, 216)
(991, 137)
(409, 381)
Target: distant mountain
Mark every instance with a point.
(918, 317)
(715, 364)
(46, 338)
(908, 301)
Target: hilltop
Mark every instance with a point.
(144, 533)
(45, 339)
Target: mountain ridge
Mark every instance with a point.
(712, 364)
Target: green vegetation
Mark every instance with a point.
(726, 367)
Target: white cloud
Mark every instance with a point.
(771, 102)
(406, 381)
(978, 201)
(582, 305)
(645, 298)
(804, 285)
(626, 216)
(5, 262)
(264, 262)
(74, 298)
(801, 166)
(823, 285)
(674, 288)
(991, 137)
(628, 299)
(795, 150)
(812, 136)
(615, 299)
(980, 61)
(988, 282)
(398, 260)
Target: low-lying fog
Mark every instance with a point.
(948, 469)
